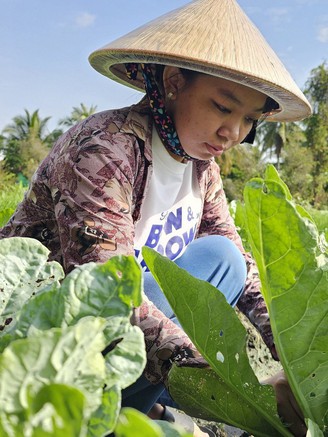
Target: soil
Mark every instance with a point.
(263, 365)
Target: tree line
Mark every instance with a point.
(299, 150)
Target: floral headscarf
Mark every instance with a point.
(163, 122)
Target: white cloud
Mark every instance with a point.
(84, 19)
(252, 10)
(278, 15)
(277, 11)
(323, 34)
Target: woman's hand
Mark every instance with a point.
(287, 406)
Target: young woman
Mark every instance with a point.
(146, 174)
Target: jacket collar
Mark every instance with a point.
(139, 123)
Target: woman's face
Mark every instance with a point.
(211, 114)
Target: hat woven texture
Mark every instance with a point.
(209, 36)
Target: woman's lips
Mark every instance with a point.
(214, 150)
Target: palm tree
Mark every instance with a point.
(27, 126)
(317, 132)
(272, 139)
(78, 113)
(25, 142)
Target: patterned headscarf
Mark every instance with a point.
(163, 122)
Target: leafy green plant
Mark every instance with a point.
(10, 196)
(293, 267)
(132, 423)
(321, 219)
(67, 347)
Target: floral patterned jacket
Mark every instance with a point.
(85, 198)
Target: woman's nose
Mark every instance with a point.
(230, 130)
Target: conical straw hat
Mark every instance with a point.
(210, 36)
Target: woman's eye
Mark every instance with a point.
(222, 109)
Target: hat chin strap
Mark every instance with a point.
(163, 122)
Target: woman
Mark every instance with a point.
(146, 175)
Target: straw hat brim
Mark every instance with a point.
(221, 41)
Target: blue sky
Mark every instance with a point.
(45, 44)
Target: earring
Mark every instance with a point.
(170, 95)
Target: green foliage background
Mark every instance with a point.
(10, 195)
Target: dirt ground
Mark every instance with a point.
(263, 366)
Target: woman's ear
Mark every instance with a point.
(173, 81)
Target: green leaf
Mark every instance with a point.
(237, 212)
(56, 411)
(104, 419)
(102, 290)
(132, 423)
(171, 430)
(313, 429)
(219, 336)
(126, 361)
(59, 335)
(272, 174)
(94, 290)
(321, 220)
(5, 215)
(69, 356)
(223, 404)
(24, 270)
(89, 290)
(39, 313)
(294, 275)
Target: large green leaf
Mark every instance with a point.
(126, 361)
(69, 356)
(132, 423)
(41, 312)
(99, 290)
(104, 290)
(216, 331)
(77, 332)
(104, 419)
(24, 270)
(293, 269)
(313, 429)
(56, 411)
(109, 290)
(223, 404)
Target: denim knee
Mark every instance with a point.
(217, 260)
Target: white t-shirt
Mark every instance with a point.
(172, 208)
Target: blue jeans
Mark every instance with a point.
(214, 259)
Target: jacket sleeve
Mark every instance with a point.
(217, 220)
(91, 184)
